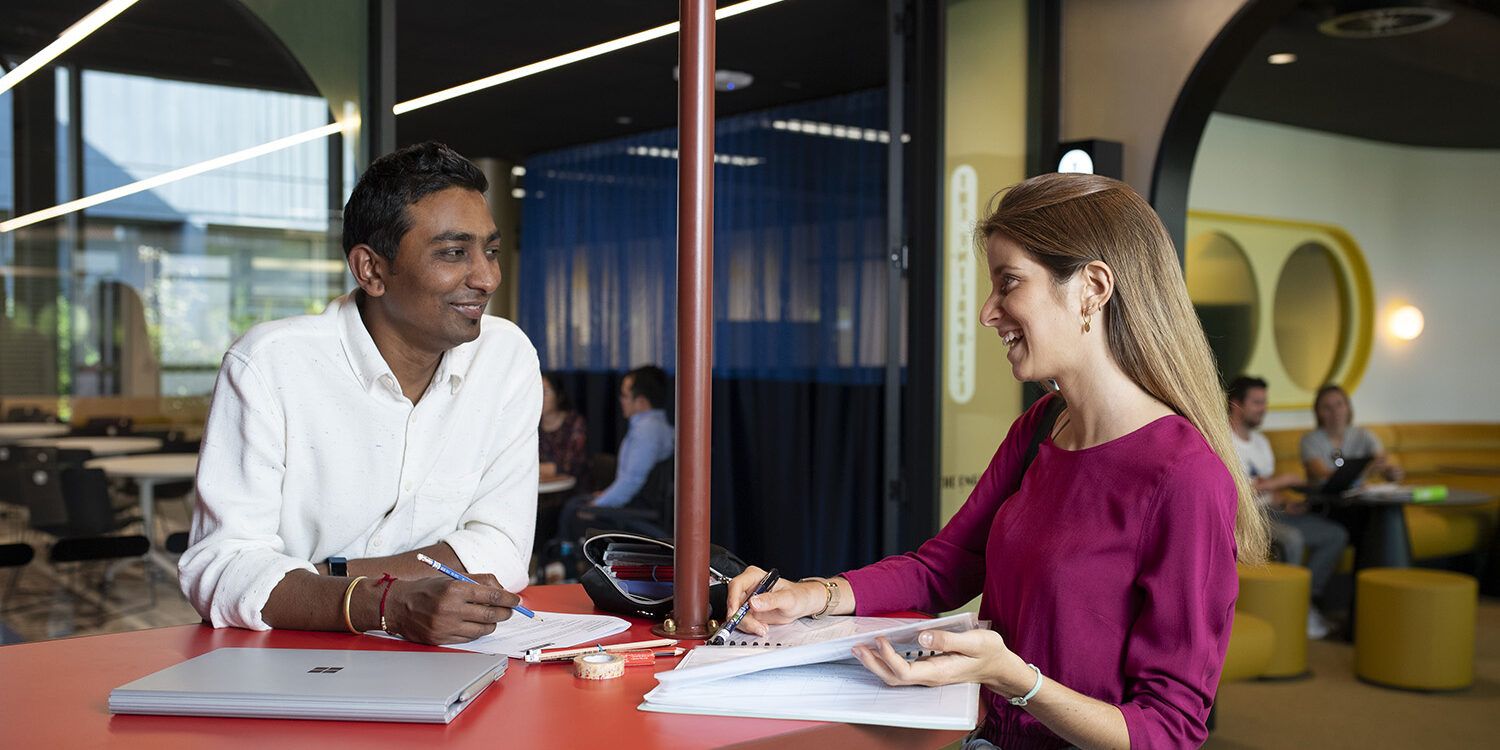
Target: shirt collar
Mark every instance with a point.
(648, 414)
(369, 364)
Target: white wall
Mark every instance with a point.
(1123, 63)
(1428, 221)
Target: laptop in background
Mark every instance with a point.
(1341, 480)
(284, 683)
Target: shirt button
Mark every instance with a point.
(406, 487)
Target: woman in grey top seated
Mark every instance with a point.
(1324, 449)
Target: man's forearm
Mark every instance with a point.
(304, 601)
(405, 564)
(307, 601)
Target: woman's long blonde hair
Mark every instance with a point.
(1066, 221)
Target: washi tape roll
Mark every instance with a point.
(598, 666)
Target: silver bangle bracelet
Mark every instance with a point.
(1024, 699)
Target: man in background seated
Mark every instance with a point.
(1293, 529)
(649, 440)
(401, 420)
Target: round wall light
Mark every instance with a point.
(1282, 58)
(1406, 322)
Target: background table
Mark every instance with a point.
(1383, 540)
(147, 470)
(99, 446)
(556, 483)
(55, 694)
(10, 432)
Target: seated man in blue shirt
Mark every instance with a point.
(648, 441)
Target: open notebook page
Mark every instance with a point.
(822, 645)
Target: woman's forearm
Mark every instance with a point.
(1084, 722)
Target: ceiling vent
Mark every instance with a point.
(1378, 23)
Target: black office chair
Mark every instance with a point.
(73, 507)
(12, 506)
(651, 512)
(17, 556)
(105, 427)
(29, 414)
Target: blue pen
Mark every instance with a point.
(457, 576)
(734, 620)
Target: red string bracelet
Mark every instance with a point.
(386, 579)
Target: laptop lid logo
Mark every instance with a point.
(323, 670)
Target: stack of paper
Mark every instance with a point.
(813, 676)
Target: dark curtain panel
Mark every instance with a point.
(799, 312)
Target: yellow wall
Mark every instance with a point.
(985, 145)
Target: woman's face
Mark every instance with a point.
(549, 397)
(1333, 410)
(1038, 320)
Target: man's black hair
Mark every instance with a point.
(1240, 387)
(649, 382)
(376, 212)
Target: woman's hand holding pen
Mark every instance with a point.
(974, 656)
(438, 610)
(786, 601)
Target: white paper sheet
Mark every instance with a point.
(827, 643)
(833, 691)
(550, 630)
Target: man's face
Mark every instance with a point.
(447, 267)
(1253, 408)
(630, 405)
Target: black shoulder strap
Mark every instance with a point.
(1043, 429)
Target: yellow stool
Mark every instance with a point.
(1251, 642)
(1278, 594)
(1414, 628)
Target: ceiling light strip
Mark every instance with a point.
(113, 8)
(164, 178)
(70, 36)
(640, 37)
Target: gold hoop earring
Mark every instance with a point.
(1087, 319)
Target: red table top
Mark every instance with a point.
(56, 693)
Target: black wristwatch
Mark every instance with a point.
(338, 566)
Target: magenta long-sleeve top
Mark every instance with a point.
(1111, 568)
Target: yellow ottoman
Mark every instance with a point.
(1278, 594)
(1414, 628)
(1251, 642)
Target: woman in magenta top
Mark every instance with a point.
(1107, 568)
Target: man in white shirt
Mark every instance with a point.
(400, 420)
(1297, 533)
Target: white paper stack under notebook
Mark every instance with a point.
(803, 670)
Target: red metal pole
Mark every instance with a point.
(695, 309)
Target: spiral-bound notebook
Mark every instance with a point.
(803, 670)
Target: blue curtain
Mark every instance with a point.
(799, 238)
(799, 312)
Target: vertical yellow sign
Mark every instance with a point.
(985, 150)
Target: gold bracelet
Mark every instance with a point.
(833, 596)
(349, 594)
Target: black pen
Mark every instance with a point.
(739, 614)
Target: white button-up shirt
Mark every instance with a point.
(312, 451)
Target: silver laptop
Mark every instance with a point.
(286, 683)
